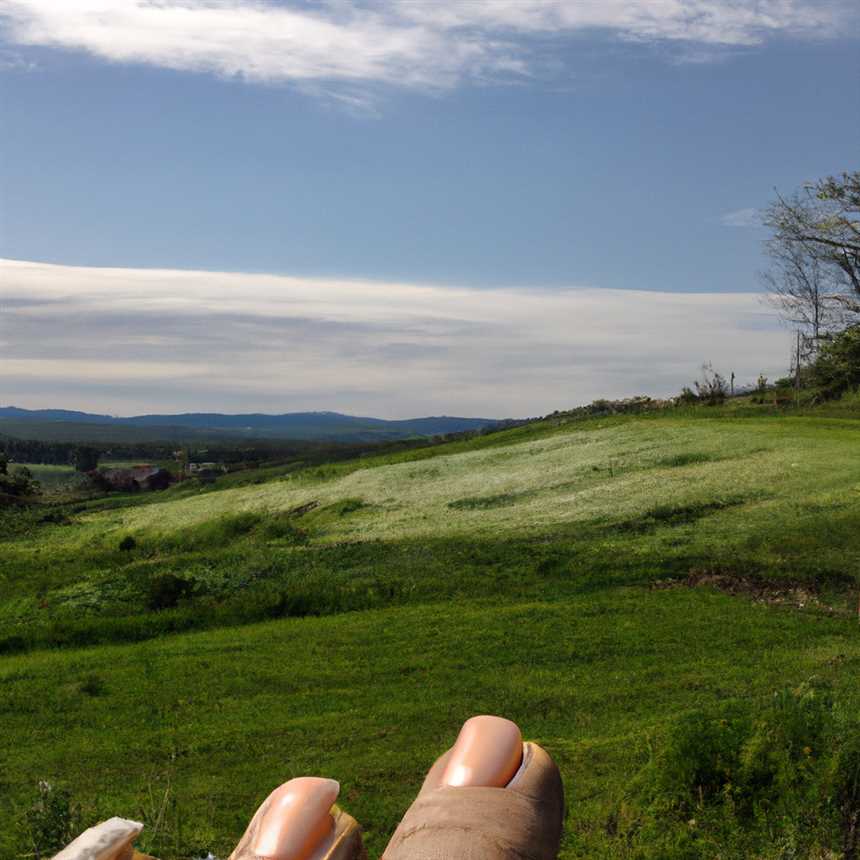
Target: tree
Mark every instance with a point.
(86, 459)
(18, 481)
(821, 223)
(837, 367)
(802, 289)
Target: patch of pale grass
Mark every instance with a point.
(607, 473)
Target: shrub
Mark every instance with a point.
(18, 481)
(167, 589)
(93, 685)
(778, 779)
(711, 387)
(687, 396)
(836, 369)
(51, 822)
(698, 761)
(127, 544)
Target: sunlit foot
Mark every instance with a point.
(490, 797)
(299, 821)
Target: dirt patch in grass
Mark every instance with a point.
(758, 589)
(301, 510)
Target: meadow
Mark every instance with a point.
(175, 656)
(50, 476)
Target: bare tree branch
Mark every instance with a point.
(814, 279)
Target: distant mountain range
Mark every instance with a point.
(331, 426)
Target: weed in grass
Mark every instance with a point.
(92, 685)
(51, 822)
(691, 458)
(165, 834)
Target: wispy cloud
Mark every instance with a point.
(418, 43)
(741, 218)
(12, 61)
(135, 340)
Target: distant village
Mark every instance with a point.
(146, 476)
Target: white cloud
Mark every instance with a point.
(135, 340)
(741, 218)
(424, 43)
(12, 61)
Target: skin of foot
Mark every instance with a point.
(298, 821)
(488, 752)
(467, 811)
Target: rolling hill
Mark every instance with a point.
(594, 580)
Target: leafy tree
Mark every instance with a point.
(18, 481)
(86, 458)
(837, 366)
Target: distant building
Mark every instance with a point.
(206, 472)
(205, 467)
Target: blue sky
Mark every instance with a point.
(545, 146)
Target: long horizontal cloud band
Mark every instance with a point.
(415, 43)
(140, 340)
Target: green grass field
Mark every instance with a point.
(345, 619)
(50, 476)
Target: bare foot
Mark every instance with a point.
(490, 797)
(298, 821)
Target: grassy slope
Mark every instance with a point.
(50, 476)
(509, 574)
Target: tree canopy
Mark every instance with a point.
(821, 223)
